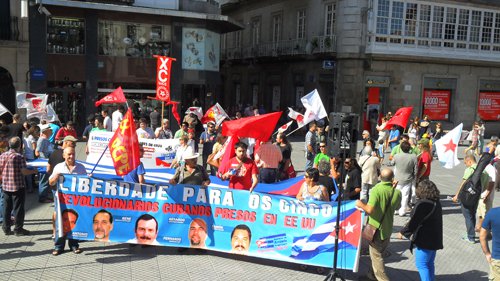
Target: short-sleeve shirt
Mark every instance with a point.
(44, 147)
(243, 177)
(107, 124)
(208, 142)
(492, 223)
(197, 177)
(394, 134)
(321, 156)
(133, 176)
(55, 128)
(11, 164)
(353, 180)
(62, 168)
(485, 178)
(311, 140)
(425, 158)
(164, 134)
(379, 196)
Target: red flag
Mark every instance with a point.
(124, 146)
(400, 118)
(175, 112)
(163, 70)
(116, 96)
(258, 127)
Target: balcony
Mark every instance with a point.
(318, 45)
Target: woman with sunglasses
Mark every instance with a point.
(310, 189)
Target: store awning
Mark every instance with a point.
(225, 23)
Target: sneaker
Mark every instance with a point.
(466, 239)
(22, 232)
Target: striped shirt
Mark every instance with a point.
(11, 164)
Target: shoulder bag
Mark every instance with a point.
(369, 230)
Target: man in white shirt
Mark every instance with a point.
(117, 117)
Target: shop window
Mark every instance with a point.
(133, 39)
(65, 36)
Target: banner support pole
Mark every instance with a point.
(105, 149)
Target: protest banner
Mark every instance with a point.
(157, 152)
(220, 219)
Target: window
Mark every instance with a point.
(487, 29)
(424, 24)
(65, 36)
(330, 19)
(301, 24)
(277, 26)
(382, 26)
(410, 22)
(437, 25)
(237, 39)
(255, 31)
(397, 21)
(133, 39)
(496, 34)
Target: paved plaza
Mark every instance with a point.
(29, 258)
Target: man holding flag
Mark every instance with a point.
(242, 171)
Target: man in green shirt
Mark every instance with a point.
(380, 209)
(397, 148)
(323, 154)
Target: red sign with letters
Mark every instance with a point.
(437, 104)
(488, 106)
(163, 70)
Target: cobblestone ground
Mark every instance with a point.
(29, 258)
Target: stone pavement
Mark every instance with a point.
(29, 258)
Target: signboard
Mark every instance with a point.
(489, 106)
(200, 49)
(219, 219)
(157, 152)
(328, 64)
(437, 104)
(37, 74)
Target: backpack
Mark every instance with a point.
(471, 190)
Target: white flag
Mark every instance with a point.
(284, 127)
(312, 103)
(297, 117)
(29, 100)
(447, 147)
(4, 110)
(51, 114)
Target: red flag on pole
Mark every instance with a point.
(400, 118)
(116, 96)
(124, 146)
(163, 70)
(258, 127)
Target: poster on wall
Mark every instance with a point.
(200, 49)
(489, 106)
(437, 104)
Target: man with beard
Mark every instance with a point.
(197, 233)
(146, 231)
(102, 225)
(240, 239)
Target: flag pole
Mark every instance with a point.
(293, 131)
(105, 149)
(162, 109)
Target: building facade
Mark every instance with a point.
(83, 50)
(14, 49)
(441, 57)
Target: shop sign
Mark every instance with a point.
(489, 106)
(437, 104)
(377, 81)
(37, 74)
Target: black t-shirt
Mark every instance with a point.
(16, 130)
(327, 182)
(353, 181)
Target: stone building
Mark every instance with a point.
(83, 50)
(441, 57)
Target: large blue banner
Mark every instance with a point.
(220, 219)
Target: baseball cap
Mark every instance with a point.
(44, 127)
(70, 138)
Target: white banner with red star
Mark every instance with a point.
(447, 148)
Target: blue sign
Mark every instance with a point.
(37, 74)
(328, 64)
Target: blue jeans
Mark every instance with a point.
(424, 261)
(43, 187)
(470, 222)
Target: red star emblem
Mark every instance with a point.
(450, 146)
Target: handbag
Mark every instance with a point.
(369, 230)
(290, 172)
(213, 162)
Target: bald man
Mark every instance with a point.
(384, 200)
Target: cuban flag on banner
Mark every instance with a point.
(322, 239)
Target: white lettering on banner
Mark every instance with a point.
(97, 186)
(214, 196)
(136, 192)
(255, 201)
(301, 208)
(83, 185)
(110, 188)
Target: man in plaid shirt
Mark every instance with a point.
(12, 172)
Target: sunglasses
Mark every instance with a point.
(322, 146)
(347, 162)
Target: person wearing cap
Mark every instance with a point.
(208, 139)
(191, 172)
(137, 174)
(68, 130)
